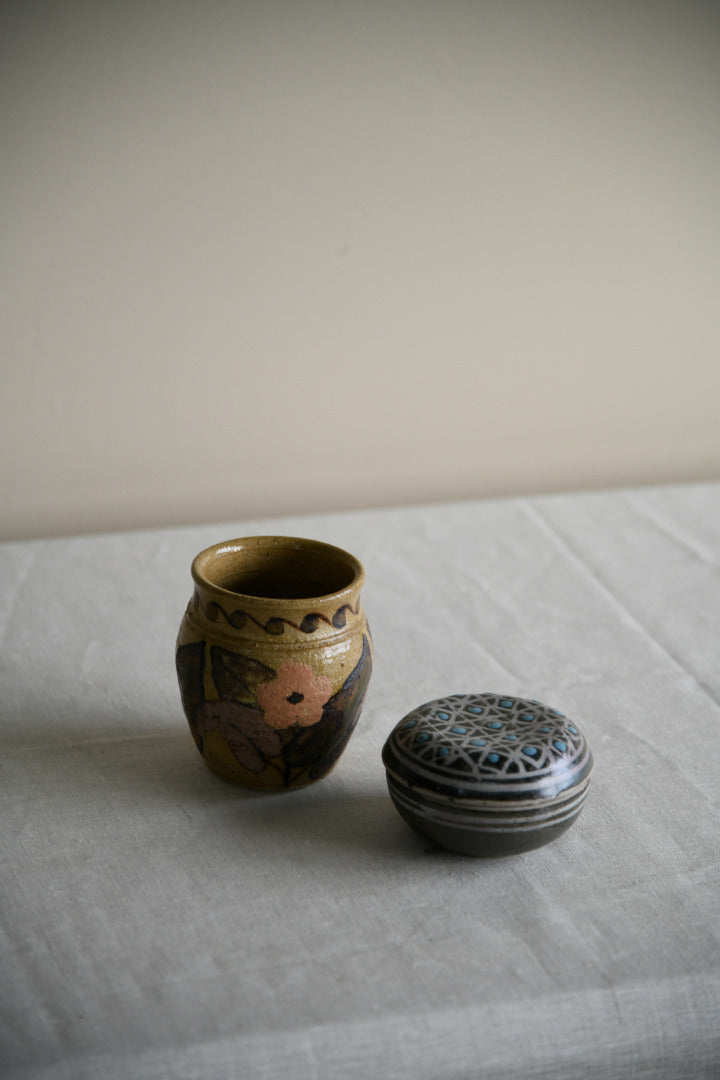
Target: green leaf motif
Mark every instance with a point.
(251, 741)
(190, 664)
(237, 677)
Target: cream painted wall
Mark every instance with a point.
(261, 258)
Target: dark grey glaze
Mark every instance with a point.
(487, 774)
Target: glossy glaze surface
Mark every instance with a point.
(273, 659)
(488, 773)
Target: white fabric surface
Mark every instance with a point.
(157, 922)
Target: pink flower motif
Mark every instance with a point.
(295, 696)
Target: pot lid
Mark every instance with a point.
(488, 747)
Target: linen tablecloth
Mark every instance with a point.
(157, 922)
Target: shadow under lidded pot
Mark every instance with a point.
(273, 658)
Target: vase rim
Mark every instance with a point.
(224, 550)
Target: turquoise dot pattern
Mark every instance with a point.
(476, 736)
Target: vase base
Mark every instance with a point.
(221, 761)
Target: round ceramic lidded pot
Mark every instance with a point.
(273, 658)
(486, 774)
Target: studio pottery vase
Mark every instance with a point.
(273, 658)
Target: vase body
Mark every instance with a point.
(273, 659)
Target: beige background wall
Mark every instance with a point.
(284, 256)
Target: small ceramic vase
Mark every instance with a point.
(273, 659)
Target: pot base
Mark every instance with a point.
(480, 843)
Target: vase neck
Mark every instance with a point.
(265, 619)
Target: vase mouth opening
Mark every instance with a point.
(272, 568)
